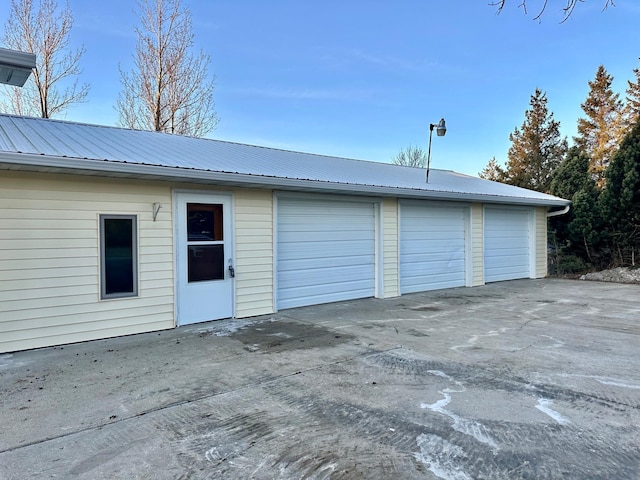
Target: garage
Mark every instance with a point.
(507, 243)
(432, 246)
(325, 250)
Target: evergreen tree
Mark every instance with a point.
(620, 201)
(493, 171)
(537, 148)
(633, 99)
(599, 134)
(571, 175)
(577, 234)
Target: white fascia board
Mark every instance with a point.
(111, 167)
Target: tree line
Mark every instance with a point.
(599, 173)
(167, 90)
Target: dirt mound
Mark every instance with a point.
(618, 275)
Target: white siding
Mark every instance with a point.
(49, 259)
(390, 263)
(477, 244)
(541, 242)
(254, 252)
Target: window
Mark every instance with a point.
(205, 242)
(118, 256)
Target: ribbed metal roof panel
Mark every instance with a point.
(54, 138)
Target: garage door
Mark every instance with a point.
(432, 247)
(507, 244)
(325, 251)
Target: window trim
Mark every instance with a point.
(134, 247)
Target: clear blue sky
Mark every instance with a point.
(364, 78)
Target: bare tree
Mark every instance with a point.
(168, 89)
(43, 30)
(567, 10)
(411, 157)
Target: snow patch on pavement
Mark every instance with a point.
(474, 338)
(557, 344)
(441, 457)
(224, 328)
(7, 361)
(544, 405)
(460, 424)
(615, 383)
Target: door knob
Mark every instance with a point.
(232, 271)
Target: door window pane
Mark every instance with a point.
(204, 222)
(206, 262)
(118, 256)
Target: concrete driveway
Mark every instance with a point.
(516, 380)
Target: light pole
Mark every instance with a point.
(441, 129)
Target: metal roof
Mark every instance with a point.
(54, 145)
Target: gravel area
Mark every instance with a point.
(618, 275)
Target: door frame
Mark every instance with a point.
(175, 193)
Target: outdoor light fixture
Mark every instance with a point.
(441, 129)
(15, 66)
(155, 208)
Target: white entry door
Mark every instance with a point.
(204, 257)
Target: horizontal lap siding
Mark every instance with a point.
(254, 252)
(477, 244)
(49, 260)
(541, 242)
(390, 247)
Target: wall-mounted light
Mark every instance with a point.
(441, 129)
(155, 209)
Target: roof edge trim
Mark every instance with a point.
(70, 165)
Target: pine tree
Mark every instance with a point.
(633, 98)
(493, 171)
(537, 147)
(620, 201)
(571, 176)
(577, 234)
(599, 134)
